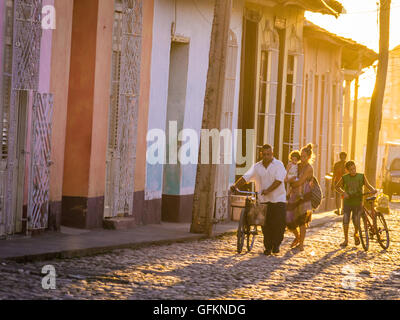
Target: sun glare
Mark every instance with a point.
(360, 24)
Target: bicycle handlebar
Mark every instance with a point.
(247, 192)
(369, 193)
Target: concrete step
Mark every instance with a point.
(124, 223)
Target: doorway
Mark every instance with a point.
(172, 210)
(247, 103)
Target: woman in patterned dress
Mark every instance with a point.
(299, 207)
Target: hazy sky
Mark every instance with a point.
(360, 24)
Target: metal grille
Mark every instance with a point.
(39, 179)
(25, 72)
(27, 36)
(6, 80)
(125, 111)
(5, 106)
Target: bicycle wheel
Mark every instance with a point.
(241, 232)
(382, 231)
(251, 236)
(363, 230)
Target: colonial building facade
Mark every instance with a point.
(71, 102)
(78, 101)
(332, 63)
(26, 111)
(107, 110)
(180, 58)
(262, 95)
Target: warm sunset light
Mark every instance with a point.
(360, 23)
(190, 155)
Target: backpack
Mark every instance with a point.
(316, 194)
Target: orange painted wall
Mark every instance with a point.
(101, 98)
(60, 67)
(80, 98)
(147, 39)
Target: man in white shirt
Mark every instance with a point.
(269, 175)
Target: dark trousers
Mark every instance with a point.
(275, 225)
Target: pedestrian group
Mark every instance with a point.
(288, 193)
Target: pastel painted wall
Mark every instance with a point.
(87, 114)
(88, 99)
(44, 82)
(322, 59)
(60, 66)
(80, 99)
(43, 87)
(145, 73)
(102, 79)
(45, 55)
(193, 20)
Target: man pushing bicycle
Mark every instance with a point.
(269, 175)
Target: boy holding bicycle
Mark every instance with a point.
(350, 186)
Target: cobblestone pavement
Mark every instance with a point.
(211, 269)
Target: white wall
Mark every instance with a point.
(193, 20)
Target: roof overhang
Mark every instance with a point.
(331, 7)
(355, 56)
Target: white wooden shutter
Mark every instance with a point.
(293, 104)
(298, 90)
(325, 131)
(272, 96)
(222, 181)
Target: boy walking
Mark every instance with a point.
(350, 186)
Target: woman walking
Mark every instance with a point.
(299, 207)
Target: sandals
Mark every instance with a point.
(295, 242)
(356, 240)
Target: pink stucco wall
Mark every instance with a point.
(45, 56)
(60, 66)
(2, 5)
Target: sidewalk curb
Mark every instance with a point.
(77, 253)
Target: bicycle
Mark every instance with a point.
(252, 216)
(371, 223)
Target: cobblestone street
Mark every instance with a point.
(211, 269)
